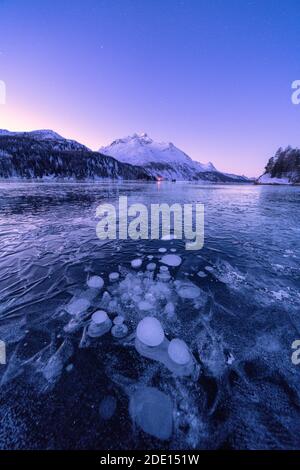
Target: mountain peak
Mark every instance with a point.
(142, 150)
(142, 137)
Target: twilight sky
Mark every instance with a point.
(212, 76)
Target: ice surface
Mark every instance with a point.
(179, 352)
(95, 282)
(150, 332)
(152, 411)
(57, 361)
(136, 263)
(171, 260)
(45, 262)
(211, 353)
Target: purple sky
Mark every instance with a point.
(212, 76)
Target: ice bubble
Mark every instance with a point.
(106, 298)
(144, 305)
(201, 274)
(188, 291)
(100, 324)
(136, 263)
(119, 330)
(169, 310)
(150, 257)
(152, 411)
(69, 367)
(95, 282)
(173, 250)
(78, 306)
(164, 269)
(165, 277)
(162, 250)
(99, 317)
(230, 359)
(118, 320)
(112, 306)
(151, 266)
(107, 407)
(150, 332)
(209, 269)
(171, 260)
(179, 352)
(114, 276)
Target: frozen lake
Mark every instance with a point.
(235, 303)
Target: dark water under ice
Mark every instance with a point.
(57, 392)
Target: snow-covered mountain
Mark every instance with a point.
(164, 160)
(283, 168)
(55, 140)
(46, 155)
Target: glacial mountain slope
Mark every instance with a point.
(164, 160)
(283, 168)
(46, 155)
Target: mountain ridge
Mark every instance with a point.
(45, 155)
(164, 160)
